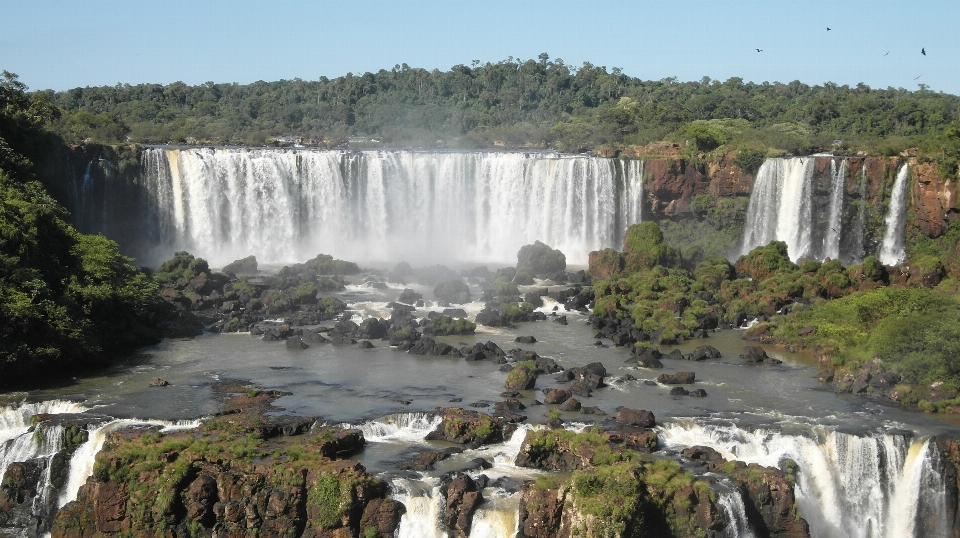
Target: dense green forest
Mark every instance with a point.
(513, 103)
(66, 299)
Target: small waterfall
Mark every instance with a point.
(893, 249)
(289, 205)
(631, 201)
(82, 460)
(854, 252)
(424, 509)
(781, 206)
(20, 442)
(831, 247)
(496, 517)
(736, 512)
(86, 190)
(410, 427)
(848, 486)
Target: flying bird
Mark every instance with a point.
(888, 52)
(759, 50)
(828, 28)
(835, 230)
(918, 76)
(923, 51)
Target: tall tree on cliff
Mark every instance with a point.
(66, 299)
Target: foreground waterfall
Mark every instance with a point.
(289, 205)
(54, 466)
(893, 250)
(847, 486)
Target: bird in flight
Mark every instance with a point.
(918, 76)
(835, 231)
(923, 51)
(828, 28)
(888, 52)
(759, 50)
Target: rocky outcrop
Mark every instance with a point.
(471, 428)
(768, 494)
(231, 479)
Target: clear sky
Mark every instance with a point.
(62, 44)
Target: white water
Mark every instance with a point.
(20, 443)
(831, 246)
(781, 206)
(289, 205)
(496, 517)
(847, 486)
(893, 249)
(82, 460)
(737, 524)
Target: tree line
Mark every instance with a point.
(536, 102)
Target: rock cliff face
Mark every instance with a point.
(241, 474)
(670, 186)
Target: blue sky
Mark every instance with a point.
(62, 44)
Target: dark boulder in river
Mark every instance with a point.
(679, 378)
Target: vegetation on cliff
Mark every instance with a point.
(234, 475)
(66, 299)
(535, 102)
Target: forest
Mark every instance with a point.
(515, 103)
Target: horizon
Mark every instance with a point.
(108, 42)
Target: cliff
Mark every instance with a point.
(244, 472)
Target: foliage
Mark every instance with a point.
(515, 103)
(520, 375)
(445, 325)
(644, 248)
(453, 291)
(750, 159)
(914, 332)
(540, 259)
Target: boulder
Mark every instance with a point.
(294, 342)
(754, 354)
(159, 383)
(679, 378)
(571, 405)
(679, 391)
(704, 352)
(557, 396)
(526, 340)
(636, 417)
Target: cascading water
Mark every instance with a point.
(496, 517)
(893, 249)
(847, 486)
(737, 524)
(289, 205)
(21, 442)
(781, 206)
(831, 246)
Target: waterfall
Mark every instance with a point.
(21, 442)
(631, 202)
(781, 206)
(893, 249)
(854, 252)
(831, 247)
(289, 205)
(736, 512)
(847, 486)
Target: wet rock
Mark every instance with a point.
(562, 320)
(701, 453)
(679, 378)
(526, 340)
(557, 396)
(676, 354)
(571, 405)
(704, 352)
(365, 344)
(159, 383)
(698, 393)
(679, 391)
(295, 342)
(463, 497)
(754, 354)
(636, 417)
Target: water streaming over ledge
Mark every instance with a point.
(288, 205)
(876, 486)
(893, 250)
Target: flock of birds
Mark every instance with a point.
(923, 51)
